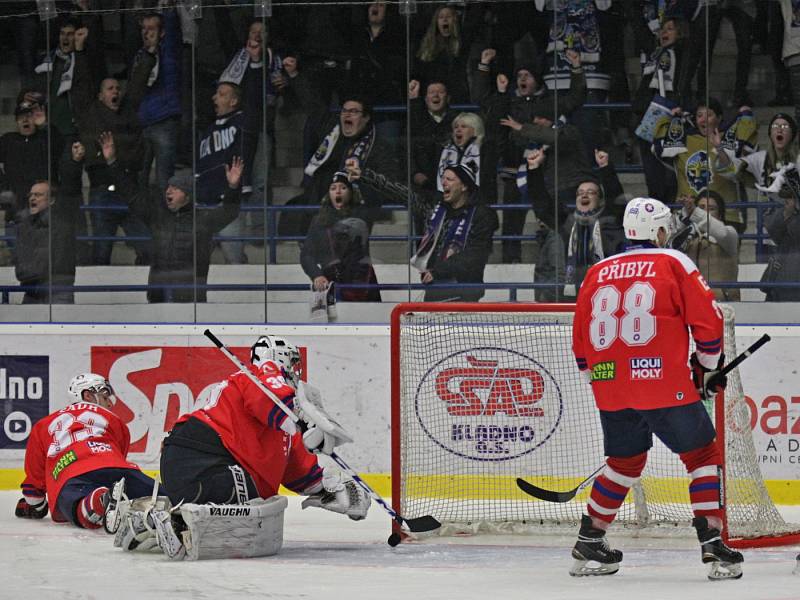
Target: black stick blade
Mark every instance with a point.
(422, 524)
(546, 495)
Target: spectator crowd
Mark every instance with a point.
(154, 125)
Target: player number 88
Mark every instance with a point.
(637, 325)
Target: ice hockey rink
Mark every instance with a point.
(326, 556)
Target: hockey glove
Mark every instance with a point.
(708, 381)
(339, 494)
(27, 511)
(323, 433)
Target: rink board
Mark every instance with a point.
(162, 371)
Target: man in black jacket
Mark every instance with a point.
(45, 244)
(101, 108)
(182, 233)
(28, 154)
(458, 236)
(506, 106)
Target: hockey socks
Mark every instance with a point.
(704, 486)
(612, 485)
(92, 508)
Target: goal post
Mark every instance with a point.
(484, 393)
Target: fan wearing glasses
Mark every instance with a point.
(762, 167)
(350, 134)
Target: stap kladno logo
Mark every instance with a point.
(488, 404)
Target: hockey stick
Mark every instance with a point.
(417, 525)
(551, 496)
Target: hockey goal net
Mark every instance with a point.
(485, 393)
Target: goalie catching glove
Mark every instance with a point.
(708, 381)
(323, 433)
(339, 494)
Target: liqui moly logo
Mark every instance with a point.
(156, 385)
(646, 368)
(488, 404)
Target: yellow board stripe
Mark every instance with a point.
(465, 487)
(10, 479)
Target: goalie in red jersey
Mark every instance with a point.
(222, 465)
(633, 318)
(75, 455)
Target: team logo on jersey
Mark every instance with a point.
(698, 173)
(646, 368)
(488, 404)
(604, 371)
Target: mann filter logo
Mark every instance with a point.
(66, 460)
(646, 368)
(488, 404)
(604, 371)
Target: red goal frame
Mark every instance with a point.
(517, 307)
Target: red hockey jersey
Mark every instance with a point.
(77, 439)
(248, 423)
(631, 328)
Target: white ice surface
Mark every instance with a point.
(327, 557)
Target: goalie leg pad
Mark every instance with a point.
(135, 531)
(234, 530)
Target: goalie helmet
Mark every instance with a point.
(97, 384)
(280, 351)
(644, 217)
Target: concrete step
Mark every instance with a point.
(282, 193)
(286, 156)
(287, 175)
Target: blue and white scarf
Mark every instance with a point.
(65, 84)
(455, 236)
(453, 155)
(360, 149)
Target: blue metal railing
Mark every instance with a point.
(512, 287)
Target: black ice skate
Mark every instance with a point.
(724, 562)
(593, 548)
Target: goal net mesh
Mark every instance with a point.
(486, 397)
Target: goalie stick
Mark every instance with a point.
(552, 496)
(416, 525)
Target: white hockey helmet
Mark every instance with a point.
(97, 384)
(280, 351)
(644, 217)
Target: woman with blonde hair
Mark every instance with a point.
(443, 52)
(469, 146)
